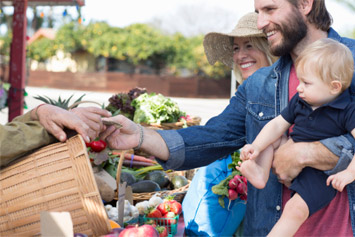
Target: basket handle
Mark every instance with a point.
(119, 167)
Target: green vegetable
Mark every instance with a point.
(178, 181)
(155, 108)
(221, 189)
(160, 177)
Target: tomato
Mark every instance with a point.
(175, 207)
(98, 146)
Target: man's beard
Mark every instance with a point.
(292, 32)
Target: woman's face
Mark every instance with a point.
(247, 58)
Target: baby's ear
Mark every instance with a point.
(335, 87)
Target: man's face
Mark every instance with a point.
(282, 23)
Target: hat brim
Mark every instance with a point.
(218, 46)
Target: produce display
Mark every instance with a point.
(143, 107)
(155, 216)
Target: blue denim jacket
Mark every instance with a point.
(258, 100)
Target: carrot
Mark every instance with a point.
(128, 163)
(128, 156)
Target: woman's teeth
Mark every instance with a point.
(247, 65)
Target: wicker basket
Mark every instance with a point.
(168, 126)
(178, 194)
(58, 178)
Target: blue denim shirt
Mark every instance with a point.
(258, 100)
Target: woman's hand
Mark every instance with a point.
(126, 137)
(130, 135)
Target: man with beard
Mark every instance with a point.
(290, 25)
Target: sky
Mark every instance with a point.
(122, 13)
(206, 15)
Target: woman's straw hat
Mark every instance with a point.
(218, 46)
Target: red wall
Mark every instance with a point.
(193, 87)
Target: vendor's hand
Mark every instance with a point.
(126, 137)
(54, 119)
(91, 116)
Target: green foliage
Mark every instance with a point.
(62, 103)
(138, 44)
(5, 42)
(68, 37)
(41, 49)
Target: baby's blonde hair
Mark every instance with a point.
(328, 59)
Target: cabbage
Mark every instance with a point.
(155, 108)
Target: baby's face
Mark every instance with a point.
(313, 89)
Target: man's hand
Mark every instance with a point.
(292, 157)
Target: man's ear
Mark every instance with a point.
(335, 87)
(305, 6)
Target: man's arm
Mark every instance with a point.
(292, 157)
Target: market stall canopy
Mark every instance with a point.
(32, 3)
(17, 75)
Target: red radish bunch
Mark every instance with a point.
(237, 187)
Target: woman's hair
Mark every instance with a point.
(261, 44)
(319, 15)
(328, 59)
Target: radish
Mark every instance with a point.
(239, 178)
(232, 194)
(242, 188)
(233, 183)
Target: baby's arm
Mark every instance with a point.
(339, 180)
(272, 131)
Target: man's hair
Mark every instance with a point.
(329, 59)
(261, 44)
(319, 15)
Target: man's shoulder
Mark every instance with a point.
(350, 43)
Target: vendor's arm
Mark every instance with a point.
(33, 130)
(21, 136)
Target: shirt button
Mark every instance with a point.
(278, 208)
(310, 118)
(261, 114)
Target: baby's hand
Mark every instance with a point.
(340, 179)
(248, 152)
